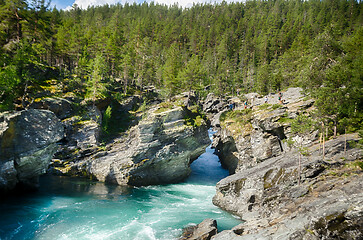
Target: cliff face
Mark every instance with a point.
(159, 149)
(278, 198)
(27, 144)
(260, 132)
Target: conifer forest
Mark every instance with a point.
(113, 51)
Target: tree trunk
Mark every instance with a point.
(322, 125)
(345, 141)
(299, 174)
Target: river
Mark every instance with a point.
(74, 208)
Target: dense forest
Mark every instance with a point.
(228, 48)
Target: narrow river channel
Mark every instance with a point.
(69, 208)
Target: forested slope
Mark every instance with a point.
(112, 51)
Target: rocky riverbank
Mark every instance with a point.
(281, 184)
(158, 149)
(326, 204)
(159, 142)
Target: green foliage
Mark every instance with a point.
(247, 46)
(195, 117)
(8, 82)
(302, 124)
(237, 121)
(115, 122)
(96, 84)
(165, 106)
(106, 119)
(242, 116)
(359, 164)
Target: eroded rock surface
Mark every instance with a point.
(159, 149)
(203, 231)
(27, 144)
(61, 107)
(327, 204)
(261, 133)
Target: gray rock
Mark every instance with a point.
(214, 104)
(84, 134)
(263, 136)
(325, 205)
(27, 144)
(157, 150)
(62, 108)
(203, 231)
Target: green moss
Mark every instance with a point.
(359, 164)
(285, 120)
(164, 106)
(198, 121)
(355, 165)
(264, 106)
(267, 184)
(276, 106)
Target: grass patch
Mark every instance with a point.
(237, 121)
(285, 120)
(356, 165)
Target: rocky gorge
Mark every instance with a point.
(281, 184)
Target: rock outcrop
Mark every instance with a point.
(203, 231)
(61, 107)
(27, 144)
(280, 190)
(327, 204)
(159, 149)
(83, 134)
(259, 132)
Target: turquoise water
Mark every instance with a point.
(68, 208)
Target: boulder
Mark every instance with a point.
(158, 150)
(214, 104)
(61, 107)
(324, 204)
(83, 134)
(27, 144)
(203, 231)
